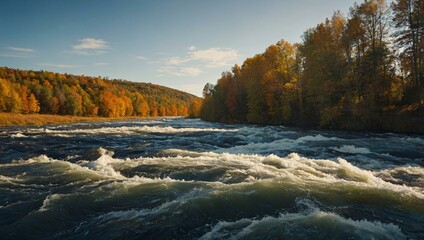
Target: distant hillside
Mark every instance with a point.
(26, 91)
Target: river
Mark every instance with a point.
(176, 178)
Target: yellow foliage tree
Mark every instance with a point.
(33, 104)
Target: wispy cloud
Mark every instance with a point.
(176, 60)
(91, 43)
(210, 57)
(90, 46)
(214, 57)
(141, 57)
(101, 64)
(197, 59)
(22, 50)
(18, 52)
(55, 65)
(180, 71)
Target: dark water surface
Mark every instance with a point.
(175, 178)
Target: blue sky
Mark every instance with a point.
(181, 44)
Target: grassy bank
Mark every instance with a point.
(14, 119)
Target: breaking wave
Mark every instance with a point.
(300, 170)
(276, 145)
(224, 169)
(311, 223)
(352, 149)
(18, 135)
(122, 131)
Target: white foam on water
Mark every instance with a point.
(412, 170)
(140, 214)
(40, 159)
(107, 166)
(127, 130)
(100, 169)
(352, 149)
(8, 179)
(276, 145)
(62, 135)
(415, 140)
(103, 168)
(316, 138)
(18, 135)
(299, 225)
(409, 170)
(144, 122)
(49, 201)
(11, 204)
(252, 134)
(104, 164)
(295, 168)
(414, 175)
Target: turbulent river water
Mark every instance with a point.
(177, 178)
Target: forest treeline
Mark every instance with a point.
(45, 92)
(364, 71)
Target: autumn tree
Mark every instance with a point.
(33, 104)
(255, 92)
(408, 21)
(323, 68)
(73, 105)
(24, 96)
(141, 106)
(45, 95)
(208, 107)
(376, 69)
(195, 108)
(10, 100)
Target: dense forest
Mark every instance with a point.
(364, 71)
(44, 92)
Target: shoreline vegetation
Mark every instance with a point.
(364, 71)
(18, 119)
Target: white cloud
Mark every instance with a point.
(176, 60)
(180, 71)
(91, 43)
(215, 57)
(141, 58)
(101, 64)
(22, 50)
(197, 60)
(57, 65)
(14, 55)
(210, 57)
(17, 52)
(90, 46)
(190, 71)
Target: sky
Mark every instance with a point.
(182, 44)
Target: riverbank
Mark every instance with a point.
(15, 119)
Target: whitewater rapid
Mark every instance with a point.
(187, 179)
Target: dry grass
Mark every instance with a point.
(14, 119)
